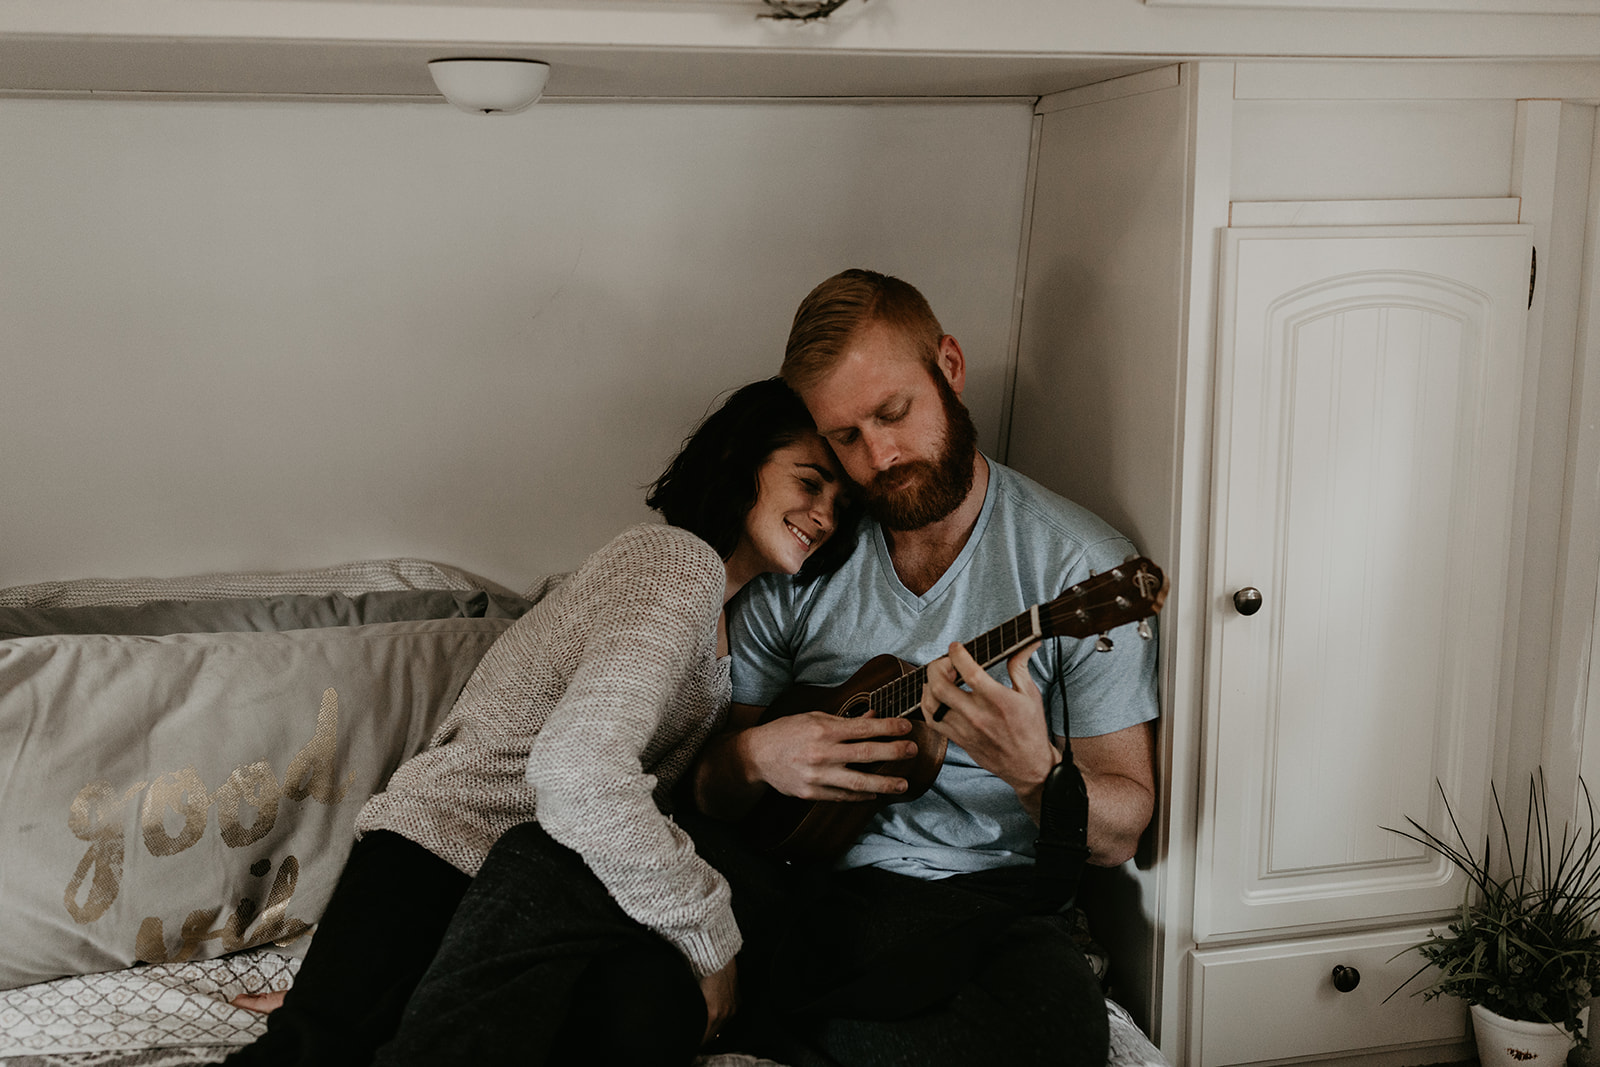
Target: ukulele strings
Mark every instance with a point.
(902, 697)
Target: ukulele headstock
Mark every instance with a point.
(1128, 592)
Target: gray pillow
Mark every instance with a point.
(288, 612)
(165, 798)
(364, 576)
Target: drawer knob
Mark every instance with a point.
(1346, 978)
(1247, 601)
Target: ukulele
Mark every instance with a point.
(885, 686)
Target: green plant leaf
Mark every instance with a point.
(1524, 945)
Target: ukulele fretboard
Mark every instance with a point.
(903, 696)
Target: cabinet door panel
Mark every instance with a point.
(1367, 423)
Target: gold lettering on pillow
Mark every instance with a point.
(273, 924)
(183, 792)
(312, 771)
(96, 817)
(252, 784)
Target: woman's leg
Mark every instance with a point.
(375, 940)
(542, 966)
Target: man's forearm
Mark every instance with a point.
(724, 780)
(724, 788)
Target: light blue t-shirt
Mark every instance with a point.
(1027, 547)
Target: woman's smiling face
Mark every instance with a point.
(796, 508)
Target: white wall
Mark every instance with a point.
(283, 334)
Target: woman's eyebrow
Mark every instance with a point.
(826, 474)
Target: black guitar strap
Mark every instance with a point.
(1063, 844)
(1062, 848)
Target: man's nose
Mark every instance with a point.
(882, 452)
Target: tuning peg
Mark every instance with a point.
(1103, 644)
(1144, 629)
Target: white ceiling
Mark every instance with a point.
(378, 49)
(31, 65)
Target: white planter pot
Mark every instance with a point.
(1506, 1042)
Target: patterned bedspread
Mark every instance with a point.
(162, 1015)
(178, 1015)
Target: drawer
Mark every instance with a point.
(1278, 1000)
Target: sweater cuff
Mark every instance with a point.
(710, 948)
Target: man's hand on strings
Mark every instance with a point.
(1003, 728)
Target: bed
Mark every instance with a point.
(181, 761)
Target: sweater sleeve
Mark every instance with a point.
(648, 603)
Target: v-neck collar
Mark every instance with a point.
(959, 564)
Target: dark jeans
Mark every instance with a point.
(541, 966)
(865, 967)
(375, 940)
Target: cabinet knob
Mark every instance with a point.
(1247, 601)
(1345, 978)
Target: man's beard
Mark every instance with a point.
(937, 486)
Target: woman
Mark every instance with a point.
(607, 934)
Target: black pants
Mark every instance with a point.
(376, 938)
(540, 966)
(864, 967)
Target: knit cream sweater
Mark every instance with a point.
(584, 714)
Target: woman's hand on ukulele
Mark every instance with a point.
(1003, 728)
(808, 755)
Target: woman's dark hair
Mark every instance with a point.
(712, 483)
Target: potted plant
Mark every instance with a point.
(1523, 951)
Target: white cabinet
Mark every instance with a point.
(1369, 387)
(1276, 327)
(1368, 408)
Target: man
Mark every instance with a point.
(936, 899)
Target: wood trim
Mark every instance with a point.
(1019, 292)
(1458, 7)
(1424, 80)
(1574, 688)
(1469, 211)
(1541, 441)
(1148, 81)
(1184, 753)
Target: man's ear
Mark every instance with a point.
(952, 363)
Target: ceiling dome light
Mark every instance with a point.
(490, 86)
